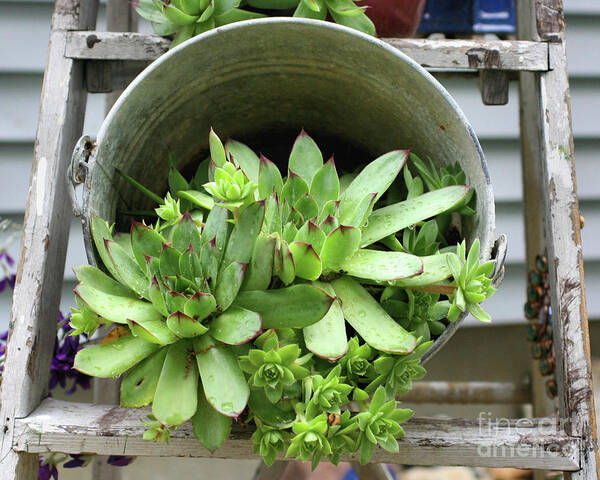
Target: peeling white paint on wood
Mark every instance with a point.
(76, 428)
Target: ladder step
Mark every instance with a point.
(433, 54)
(59, 426)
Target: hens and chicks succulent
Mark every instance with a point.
(282, 299)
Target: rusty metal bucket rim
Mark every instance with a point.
(260, 23)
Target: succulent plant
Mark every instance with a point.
(380, 425)
(310, 440)
(179, 288)
(473, 283)
(188, 18)
(240, 296)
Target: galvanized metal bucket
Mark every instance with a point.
(260, 82)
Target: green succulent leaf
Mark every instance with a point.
(101, 232)
(271, 414)
(200, 305)
(127, 268)
(327, 337)
(138, 186)
(287, 272)
(388, 220)
(307, 9)
(269, 177)
(113, 358)
(312, 234)
(164, 29)
(229, 283)
(240, 245)
(236, 326)
(376, 178)
(325, 186)
(197, 198)
(186, 233)
(294, 188)
(235, 15)
(169, 261)
(307, 207)
(152, 330)
(241, 154)
(435, 270)
(115, 306)
(307, 261)
(147, 10)
(305, 158)
(382, 266)
(145, 241)
(260, 269)
(223, 381)
(211, 428)
(216, 229)
(176, 396)
(185, 326)
(177, 17)
(340, 244)
(98, 280)
(358, 21)
(304, 305)
(370, 320)
(139, 385)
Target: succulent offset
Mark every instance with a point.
(238, 299)
(188, 18)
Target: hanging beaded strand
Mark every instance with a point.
(539, 314)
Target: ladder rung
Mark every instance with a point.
(492, 393)
(59, 426)
(433, 54)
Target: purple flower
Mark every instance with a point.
(76, 461)
(61, 368)
(119, 460)
(7, 258)
(47, 471)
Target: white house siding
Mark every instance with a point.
(24, 28)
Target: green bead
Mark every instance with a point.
(535, 278)
(532, 294)
(547, 366)
(533, 331)
(551, 388)
(541, 263)
(531, 310)
(536, 351)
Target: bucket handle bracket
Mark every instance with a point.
(499, 256)
(79, 171)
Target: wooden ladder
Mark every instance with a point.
(82, 60)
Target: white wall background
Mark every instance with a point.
(24, 29)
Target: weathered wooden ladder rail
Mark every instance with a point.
(83, 60)
(495, 59)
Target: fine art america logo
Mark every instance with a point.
(524, 437)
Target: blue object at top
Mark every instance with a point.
(351, 474)
(468, 16)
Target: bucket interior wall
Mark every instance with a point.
(260, 83)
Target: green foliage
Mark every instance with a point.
(269, 442)
(272, 367)
(188, 18)
(310, 440)
(397, 373)
(473, 283)
(242, 299)
(380, 425)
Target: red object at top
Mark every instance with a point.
(394, 18)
